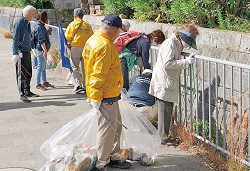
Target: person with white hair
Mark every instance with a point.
(103, 86)
(21, 48)
(125, 25)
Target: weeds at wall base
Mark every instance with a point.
(214, 158)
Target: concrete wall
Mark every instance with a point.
(221, 44)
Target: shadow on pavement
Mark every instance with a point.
(42, 101)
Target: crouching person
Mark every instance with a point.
(103, 80)
(138, 95)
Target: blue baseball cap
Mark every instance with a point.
(188, 38)
(113, 20)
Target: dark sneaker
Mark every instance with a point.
(40, 86)
(25, 99)
(78, 89)
(119, 164)
(30, 94)
(96, 169)
(47, 85)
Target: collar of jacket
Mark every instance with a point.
(177, 42)
(40, 23)
(26, 22)
(100, 33)
(78, 20)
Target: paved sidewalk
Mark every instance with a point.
(24, 127)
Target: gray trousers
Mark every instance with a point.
(77, 66)
(165, 109)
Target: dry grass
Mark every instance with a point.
(237, 137)
(198, 148)
(6, 34)
(54, 52)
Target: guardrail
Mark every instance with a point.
(214, 102)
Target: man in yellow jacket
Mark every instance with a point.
(77, 33)
(104, 82)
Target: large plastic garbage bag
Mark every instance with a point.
(141, 135)
(73, 147)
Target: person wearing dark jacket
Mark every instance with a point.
(21, 48)
(42, 46)
(138, 91)
(140, 47)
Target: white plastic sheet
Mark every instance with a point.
(50, 61)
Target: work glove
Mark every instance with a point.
(15, 58)
(190, 59)
(34, 52)
(147, 71)
(96, 105)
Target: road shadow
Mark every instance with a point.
(42, 101)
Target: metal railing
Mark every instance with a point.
(214, 102)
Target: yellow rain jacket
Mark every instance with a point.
(103, 73)
(81, 36)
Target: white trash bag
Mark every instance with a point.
(49, 62)
(74, 145)
(141, 135)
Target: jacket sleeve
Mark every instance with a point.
(145, 46)
(101, 67)
(171, 62)
(40, 35)
(16, 37)
(69, 33)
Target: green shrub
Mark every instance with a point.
(226, 14)
(144, 10)
(39, 4)
(117, 7)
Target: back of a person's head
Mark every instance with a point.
(78, 12)
(190, 28)
(158, 35)
(126, 24)
(44, 16)
(28, 9)
(38, 15)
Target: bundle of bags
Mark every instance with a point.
(74, 146)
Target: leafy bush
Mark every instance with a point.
(39, 4)
(144, 10)
(117, 7)
(225, 14)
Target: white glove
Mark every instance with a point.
(15, 58)
(34, 52)
(96, 105)
(190, 59)
(147, 71)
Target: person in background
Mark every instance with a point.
(125, 25)
(33, 46)
(42, 46)
(21, 48)
(140, 48)
(138, 96)
(77, 33)
(103, 86)
(138, 90)
(165, 78)
(49, 29)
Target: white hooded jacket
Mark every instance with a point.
(165, 78)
